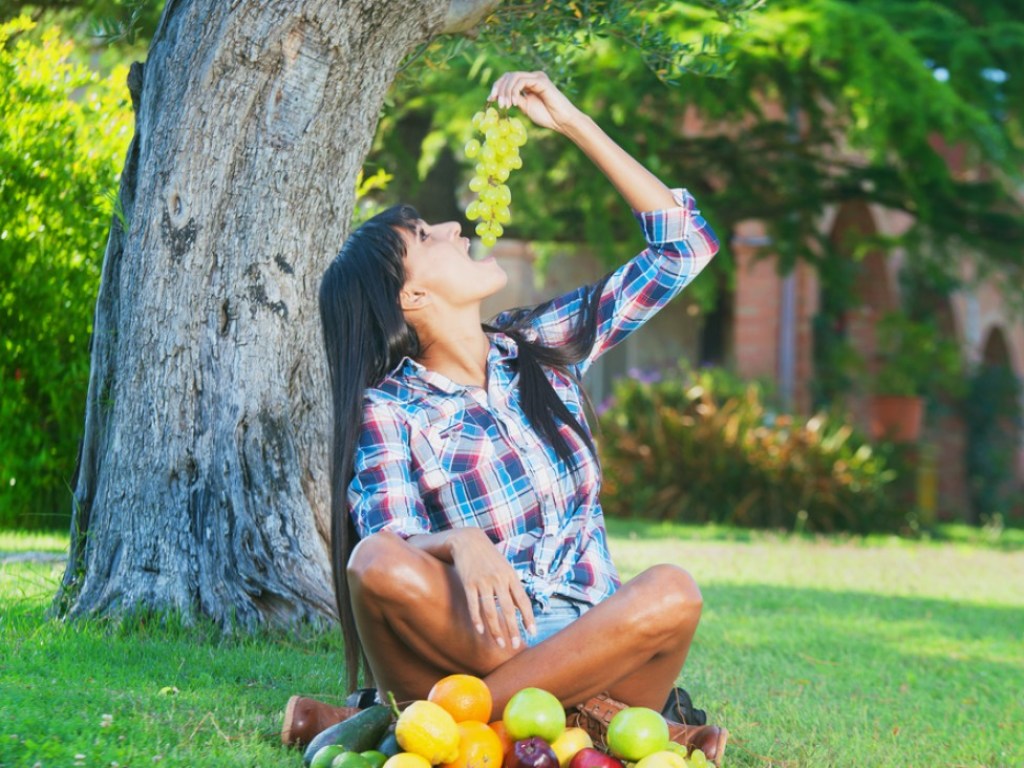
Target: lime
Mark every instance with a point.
(350, 760)
(375, 757)
(325, 756)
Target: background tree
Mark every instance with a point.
(60, 158)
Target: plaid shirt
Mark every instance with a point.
(434, 455)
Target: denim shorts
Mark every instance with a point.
(562, 611)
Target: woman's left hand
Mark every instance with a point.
(537, 97)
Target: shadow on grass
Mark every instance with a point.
(1001, 539)
(911, 622)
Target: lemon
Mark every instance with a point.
(407, 760)
(426, 729)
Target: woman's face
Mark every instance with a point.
(438, 267)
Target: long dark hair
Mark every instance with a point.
(366, 336)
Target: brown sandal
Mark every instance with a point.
(594, 715)
(305, 718)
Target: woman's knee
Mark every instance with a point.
(671, 598)
(383, 566)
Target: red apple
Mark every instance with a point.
(533, 752)
(594, 758)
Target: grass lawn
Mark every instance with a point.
(814, 652)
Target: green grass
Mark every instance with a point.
(841, 651)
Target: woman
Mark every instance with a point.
(467, 531)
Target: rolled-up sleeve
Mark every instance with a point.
(680, 244)
(382, 495)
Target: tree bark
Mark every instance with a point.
(202, 478)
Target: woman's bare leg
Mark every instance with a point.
(415, 627)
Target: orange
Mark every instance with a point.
(498, 726)
(465, 697)
(479, 747)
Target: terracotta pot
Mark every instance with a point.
(896, 417)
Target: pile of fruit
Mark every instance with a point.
(452, 728)
(497, 156)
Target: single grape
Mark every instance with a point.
(472, 148)
(502, 146)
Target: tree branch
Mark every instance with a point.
(463, 15)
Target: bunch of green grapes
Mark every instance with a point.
(497, 156)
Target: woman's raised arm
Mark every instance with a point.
(545, 105)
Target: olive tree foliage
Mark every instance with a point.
(62, 143)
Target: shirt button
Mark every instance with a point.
(542, 571)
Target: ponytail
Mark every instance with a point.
(540, 402)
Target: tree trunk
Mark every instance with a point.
(202, 481)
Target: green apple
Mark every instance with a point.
(534, 712)
(636, 732)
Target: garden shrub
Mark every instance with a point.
(679, 449)
(62, 143)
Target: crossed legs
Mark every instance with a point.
(415, 628)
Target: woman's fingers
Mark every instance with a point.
(493, 609)
(493, 591)
(508, 615)
(510, 89)
(473, 600)
(489, 607)
(522, 602)
(537, 97)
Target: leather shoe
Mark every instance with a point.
(305, 718)
(596, 713)
(679, 709)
